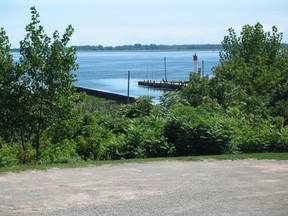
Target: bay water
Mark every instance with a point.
(108, 71)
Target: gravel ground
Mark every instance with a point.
(241, 187)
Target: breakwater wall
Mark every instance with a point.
(106, 95)
(172, 85)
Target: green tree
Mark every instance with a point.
(7, 79)
(252, 43)
(251, 67)
(197, 90)
(250, 60)
(13, 106)
(279, 102)
(47, 65)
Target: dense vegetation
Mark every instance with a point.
(242, 109)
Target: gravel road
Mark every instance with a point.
(241, 187)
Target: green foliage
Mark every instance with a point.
(96, 139)
(144, 138)
(14, 114)
(251, 61)
(27, 155)
(37, 92)
(141, 107)
(197, 89)
(252, 75)
(278, 141)
(171, 99)
(252, 44)
(198, 132)
(89, 137)
(278, 102)
(63, 152)
(112, 147)
(8, 156)
(47, 65)
(260, 136)
(13, 154)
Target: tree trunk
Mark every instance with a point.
(22, 139)
(38, 133)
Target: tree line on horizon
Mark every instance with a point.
(139, 46)
(153, 47)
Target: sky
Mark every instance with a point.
(125, 22)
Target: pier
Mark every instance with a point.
(173, 85)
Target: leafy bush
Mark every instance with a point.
(114, 122)
(259, 135)
(283, 147)
(198, 132)
(140, 108)
(89, 137)
(171, 99)
(279, 141)
(278, 102)
(111, 148)
(13, 154)
(144, 138)
(62, 152)
(26, 156)
(8, 155)
(252, 140)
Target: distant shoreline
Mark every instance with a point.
(150, 48)
(146, 48)
(164, 50)
(160, 50)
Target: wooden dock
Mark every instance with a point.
(173, 85)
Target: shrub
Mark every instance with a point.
(144, 138)
(26, 156)
(252, 140)
(194, 131)
(13, 154)
(279, 141)
(140, 108)
(89, 137)
(88, 148)
(8, 155)
(111, 148)
(62, 152)
(259, 135)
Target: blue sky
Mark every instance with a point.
(119, 22)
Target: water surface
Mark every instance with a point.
(108, 71)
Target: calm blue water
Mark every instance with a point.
(108, 71)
